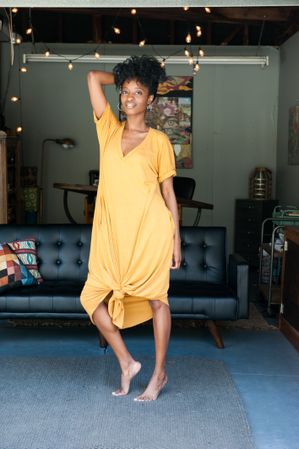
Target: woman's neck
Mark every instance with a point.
(136, 124)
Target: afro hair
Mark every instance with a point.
(145, 69)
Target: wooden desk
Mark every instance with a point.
(91, 191)
(87, 190)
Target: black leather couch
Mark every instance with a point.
(201, 289)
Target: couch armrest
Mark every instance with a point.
(238, 273)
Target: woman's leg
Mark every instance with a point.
(162, 327)
(129, 366)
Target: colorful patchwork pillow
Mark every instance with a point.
(26, 252)
(13, 272)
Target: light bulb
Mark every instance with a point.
(186, 8)
(23, 69)
(116, 30)
(208, 10)
(198, 33)
(142, 43)
(29, 31)
(162, 63)
(47, 53)
(187, 52)
(14, 10)
(196, 67)
(191, 60)
(201, 52)
(70, 66)
(14, 99)
(19, 129)
(97, 55)
(188, 38)
(18, 40)
(133, 11)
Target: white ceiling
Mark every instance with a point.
(145, 3)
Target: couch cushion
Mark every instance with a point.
(26, 252)
(203, 255)
(63, 249)
(13, 272)
(50, 296)
(202, 299)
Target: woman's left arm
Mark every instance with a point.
(170, 200)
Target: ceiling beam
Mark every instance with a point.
(219, 15)
(230, 37)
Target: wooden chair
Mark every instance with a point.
(184, 189)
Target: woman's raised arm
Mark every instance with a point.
(96, 80)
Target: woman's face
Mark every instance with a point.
(134, 97)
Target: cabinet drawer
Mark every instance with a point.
(246, 245)
(252, 220)
(247, 207)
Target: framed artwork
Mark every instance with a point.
(172, 114)
(293, 147)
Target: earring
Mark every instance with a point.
(149, 107)
(119, 107)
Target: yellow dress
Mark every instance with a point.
(132, 233)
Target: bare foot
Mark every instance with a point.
(126, 377)
(154, 388)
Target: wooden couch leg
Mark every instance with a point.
(102, 342)
(215, 333)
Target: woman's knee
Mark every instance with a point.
(157, 305)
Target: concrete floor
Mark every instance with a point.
(263, 364)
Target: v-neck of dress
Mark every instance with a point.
(136, 147)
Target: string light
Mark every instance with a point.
(208, 10)
(19, 129)
(188, 38)
(14, 10)
(117, 30)
(18, 40)
(14, 99)
(198, 31)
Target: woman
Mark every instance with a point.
(135, 235)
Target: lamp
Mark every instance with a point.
(66, 143)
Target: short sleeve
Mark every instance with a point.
(166, 160)
(105, 125)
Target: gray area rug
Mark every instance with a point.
(66, 403)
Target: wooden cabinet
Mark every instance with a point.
(289, 313)
(249, 215)
(10, 179)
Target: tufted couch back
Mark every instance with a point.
(203, 255)
(63, 251)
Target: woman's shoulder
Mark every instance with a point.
(107, 115)
(160, 135)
